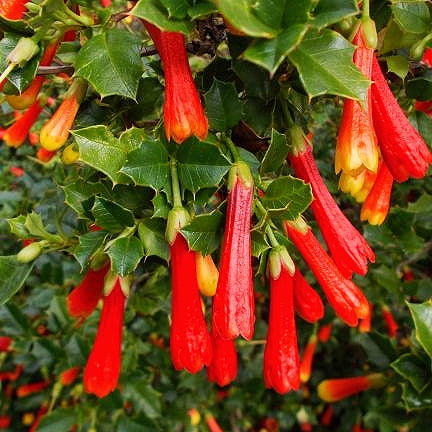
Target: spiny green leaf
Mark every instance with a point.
(125, 254)
(13, 274)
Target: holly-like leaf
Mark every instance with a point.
(111, 63)
(414, 369)
(125, 254)
(60, 419)
(275, 154)
(177, 8)
(154, 12)
(201, 9)
(99, 149)
(148, 165)
(331, 11)
(287, 197)
(241, 14)
(414, 401)
(324, 63)
(259, 243)
(398, 64)
(151, 231)
(144, 397)
(88, 244)
(270, 53)
(79, 192)
(200, 165)
(35, 227)
(412, 17)
(201, 232)
(13, 274)
(223, 107)
(422, 316)
(111, 216)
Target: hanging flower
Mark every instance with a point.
(344, 296)
(377, 204)
(403, 149)
(84, 298)
(324, 333)
(55, 132)
(223, 367)
(233, 304)
(207, 274)
(333, 390)
(68, 376)
(307, 358)
(190, 343)
(392, 326)
(365, 323)
(102, 370)
(348, 248)
(307, 302)
(16, 134)
(356, 146)
(28, 389)
(13, 9)
(183, 113)
(281, 357)
(5, 343)
(29, 95)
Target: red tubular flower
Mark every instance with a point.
(190, 343)
(281, 357)
(45, 155)
(392, 326)
(324, 333)
(233, 305)
(402, 147)
(212, 424)
(16, 134)
(105, 3)
(348, 248)
(365, 323)
(356, 146)
(427, 57)
(11, 376)
(29, 95)
(41, 412)
(344, 296)
(327, 416)
(102, 370)
(223, 367)
(84, 298)
(424, 106)
(307, 359)
(68, 376)
(12, 9)
(5, 421)
(207, 274)
(377, 204)
(5, 343)
(16, 171)
(27, 389)
(183, 113)
(307, 302)
(333, 390)
(55, 132)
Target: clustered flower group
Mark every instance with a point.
(376, 144)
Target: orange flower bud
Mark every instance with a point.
(307, 359)
(44, 155)
(55, 132)
(356, 147)
(333, 390)
(68, 376)
(207, 274)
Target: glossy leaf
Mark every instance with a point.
(324, 63)
(422, 316)
(12, 276)
(125, 254)
(275, 154)
(414, 370)
(111, 63)
(88, 244)
(111, 216)
(223, 107)
(151, 231)
(200, 165)
(412, 17)
(287, 197)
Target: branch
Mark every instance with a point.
(195, 47)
